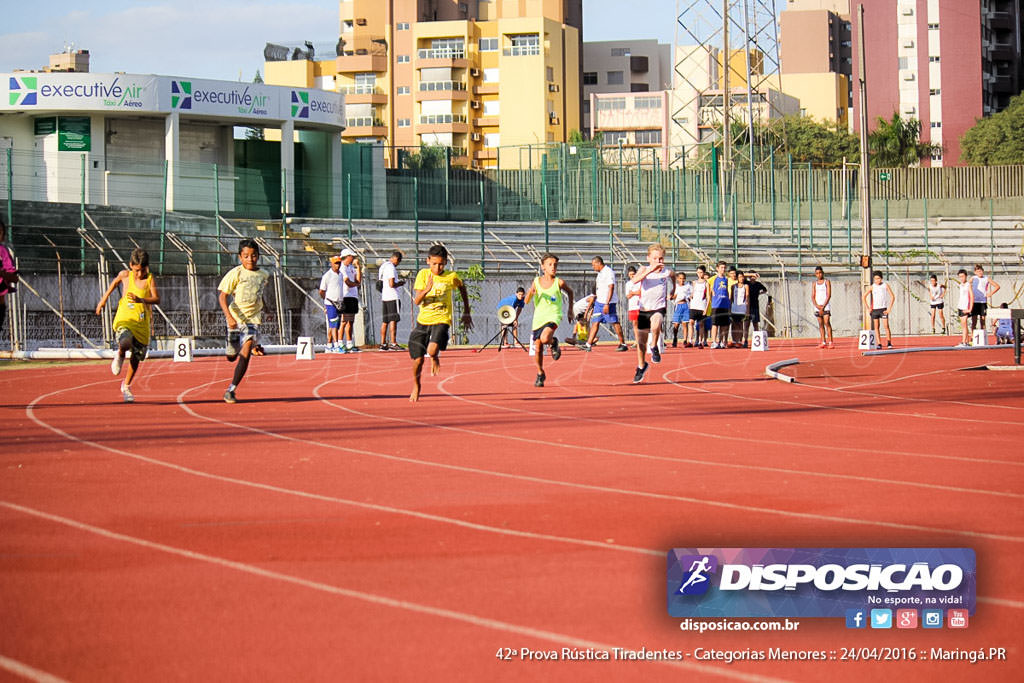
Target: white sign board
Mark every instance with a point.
(866, 340)
(182, 351)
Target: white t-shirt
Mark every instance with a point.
(388, 271)
(654, 289)
(330, 284)
(632, 300)
(349, 272)
(606, 277)
(935, 293)
(879, 297)
(580, 307)
(821, 293)
(699, 297)
(965, 297)
(980, 287)
(683, 293)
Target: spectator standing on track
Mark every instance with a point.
(656, 284)
(330, 292)
(352, 276)
(880, 301)
(821, 299)
(133, 321)
(244, 283)
(740, 311)
(700, 299)
(433, 294)
(632, 300)
(964, 306)
(983, 289)
(8, 273)
(546, 296)
(681, 310)
(605, 304)
(937, 301)
(720, 305)
(756, 290)
(518, 302)
(388, 284)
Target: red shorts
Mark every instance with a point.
(633, 315)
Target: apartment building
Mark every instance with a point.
(472, 75)
(816, 54)
(638, 122)
(623, 66)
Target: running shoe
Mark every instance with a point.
(655, 355)
(556, 352)
(399, 347)
(354, 349)
(687, 345)
(831, 345)
(127, 394)
(888, 345)
(384, 347)
(115, 365)
(821, 345)
(586, 347)
(622, 347)
(539, 382)
(229, 397)
(640, 372)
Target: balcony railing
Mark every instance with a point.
(441, 85)
(433, 119)
(360, 90)
(360, 121)
(521, 50)
(441, 53)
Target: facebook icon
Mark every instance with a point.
(856, 618)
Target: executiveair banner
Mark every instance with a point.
(93, 93)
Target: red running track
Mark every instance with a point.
(324, 529)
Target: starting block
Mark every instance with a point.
(979, 338)
(866, 340)
(183, 350)
(304, 349)
(759, 341)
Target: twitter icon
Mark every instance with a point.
(881, 618)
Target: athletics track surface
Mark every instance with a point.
(324, 529)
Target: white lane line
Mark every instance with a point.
(27, 672)
(373, 598)
(659, 458)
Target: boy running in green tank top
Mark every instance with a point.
(546, 295)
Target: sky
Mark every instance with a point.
(224, 39)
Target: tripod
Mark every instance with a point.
(504, 333)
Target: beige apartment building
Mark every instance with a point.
(816, 54)
(473, 75)
(622, 66)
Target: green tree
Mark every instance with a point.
(429, 157)
(897, 143)
(996, 139)
(824, 144)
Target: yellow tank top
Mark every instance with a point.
(547, 304)
(135, 317)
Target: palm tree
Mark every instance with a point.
(897, 143)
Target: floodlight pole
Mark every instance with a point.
(865, 169)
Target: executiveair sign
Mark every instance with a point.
(164, 94)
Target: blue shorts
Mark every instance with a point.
(681, 314)
(610, 317)
(333, 316)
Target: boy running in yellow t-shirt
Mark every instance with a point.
(244, 283)
(433, 294)
(134, 318)
(546, 295)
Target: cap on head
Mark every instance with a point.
(347, 252)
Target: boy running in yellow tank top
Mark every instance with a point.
(546, 295)
(134, 318)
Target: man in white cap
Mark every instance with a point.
(330, 292)
(351, 277)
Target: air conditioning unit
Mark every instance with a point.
(552, 87)
(475, 73)
(475, 104)
(553, 120)
(476, 137)
(360, 22)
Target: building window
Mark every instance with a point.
(551, 74)
(492, 139)
(611, 103)
(903, 63)
(937, 156)
(648, 137)
(488, 45)
(620, 52)
(586, 106)
(346, 26)
(612, 137)
(444, 48)
(933, 27)
(647, 103)
(403, 90)
(492, 107)
(490, 75)
(934, 58)
(935, 91)
(402, 26)
(936, 124)
(523, 44)
(615, 78)
(403, 59)
(404, 123)
(589, 78)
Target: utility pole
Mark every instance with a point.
(726, 103)
(865, 169)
